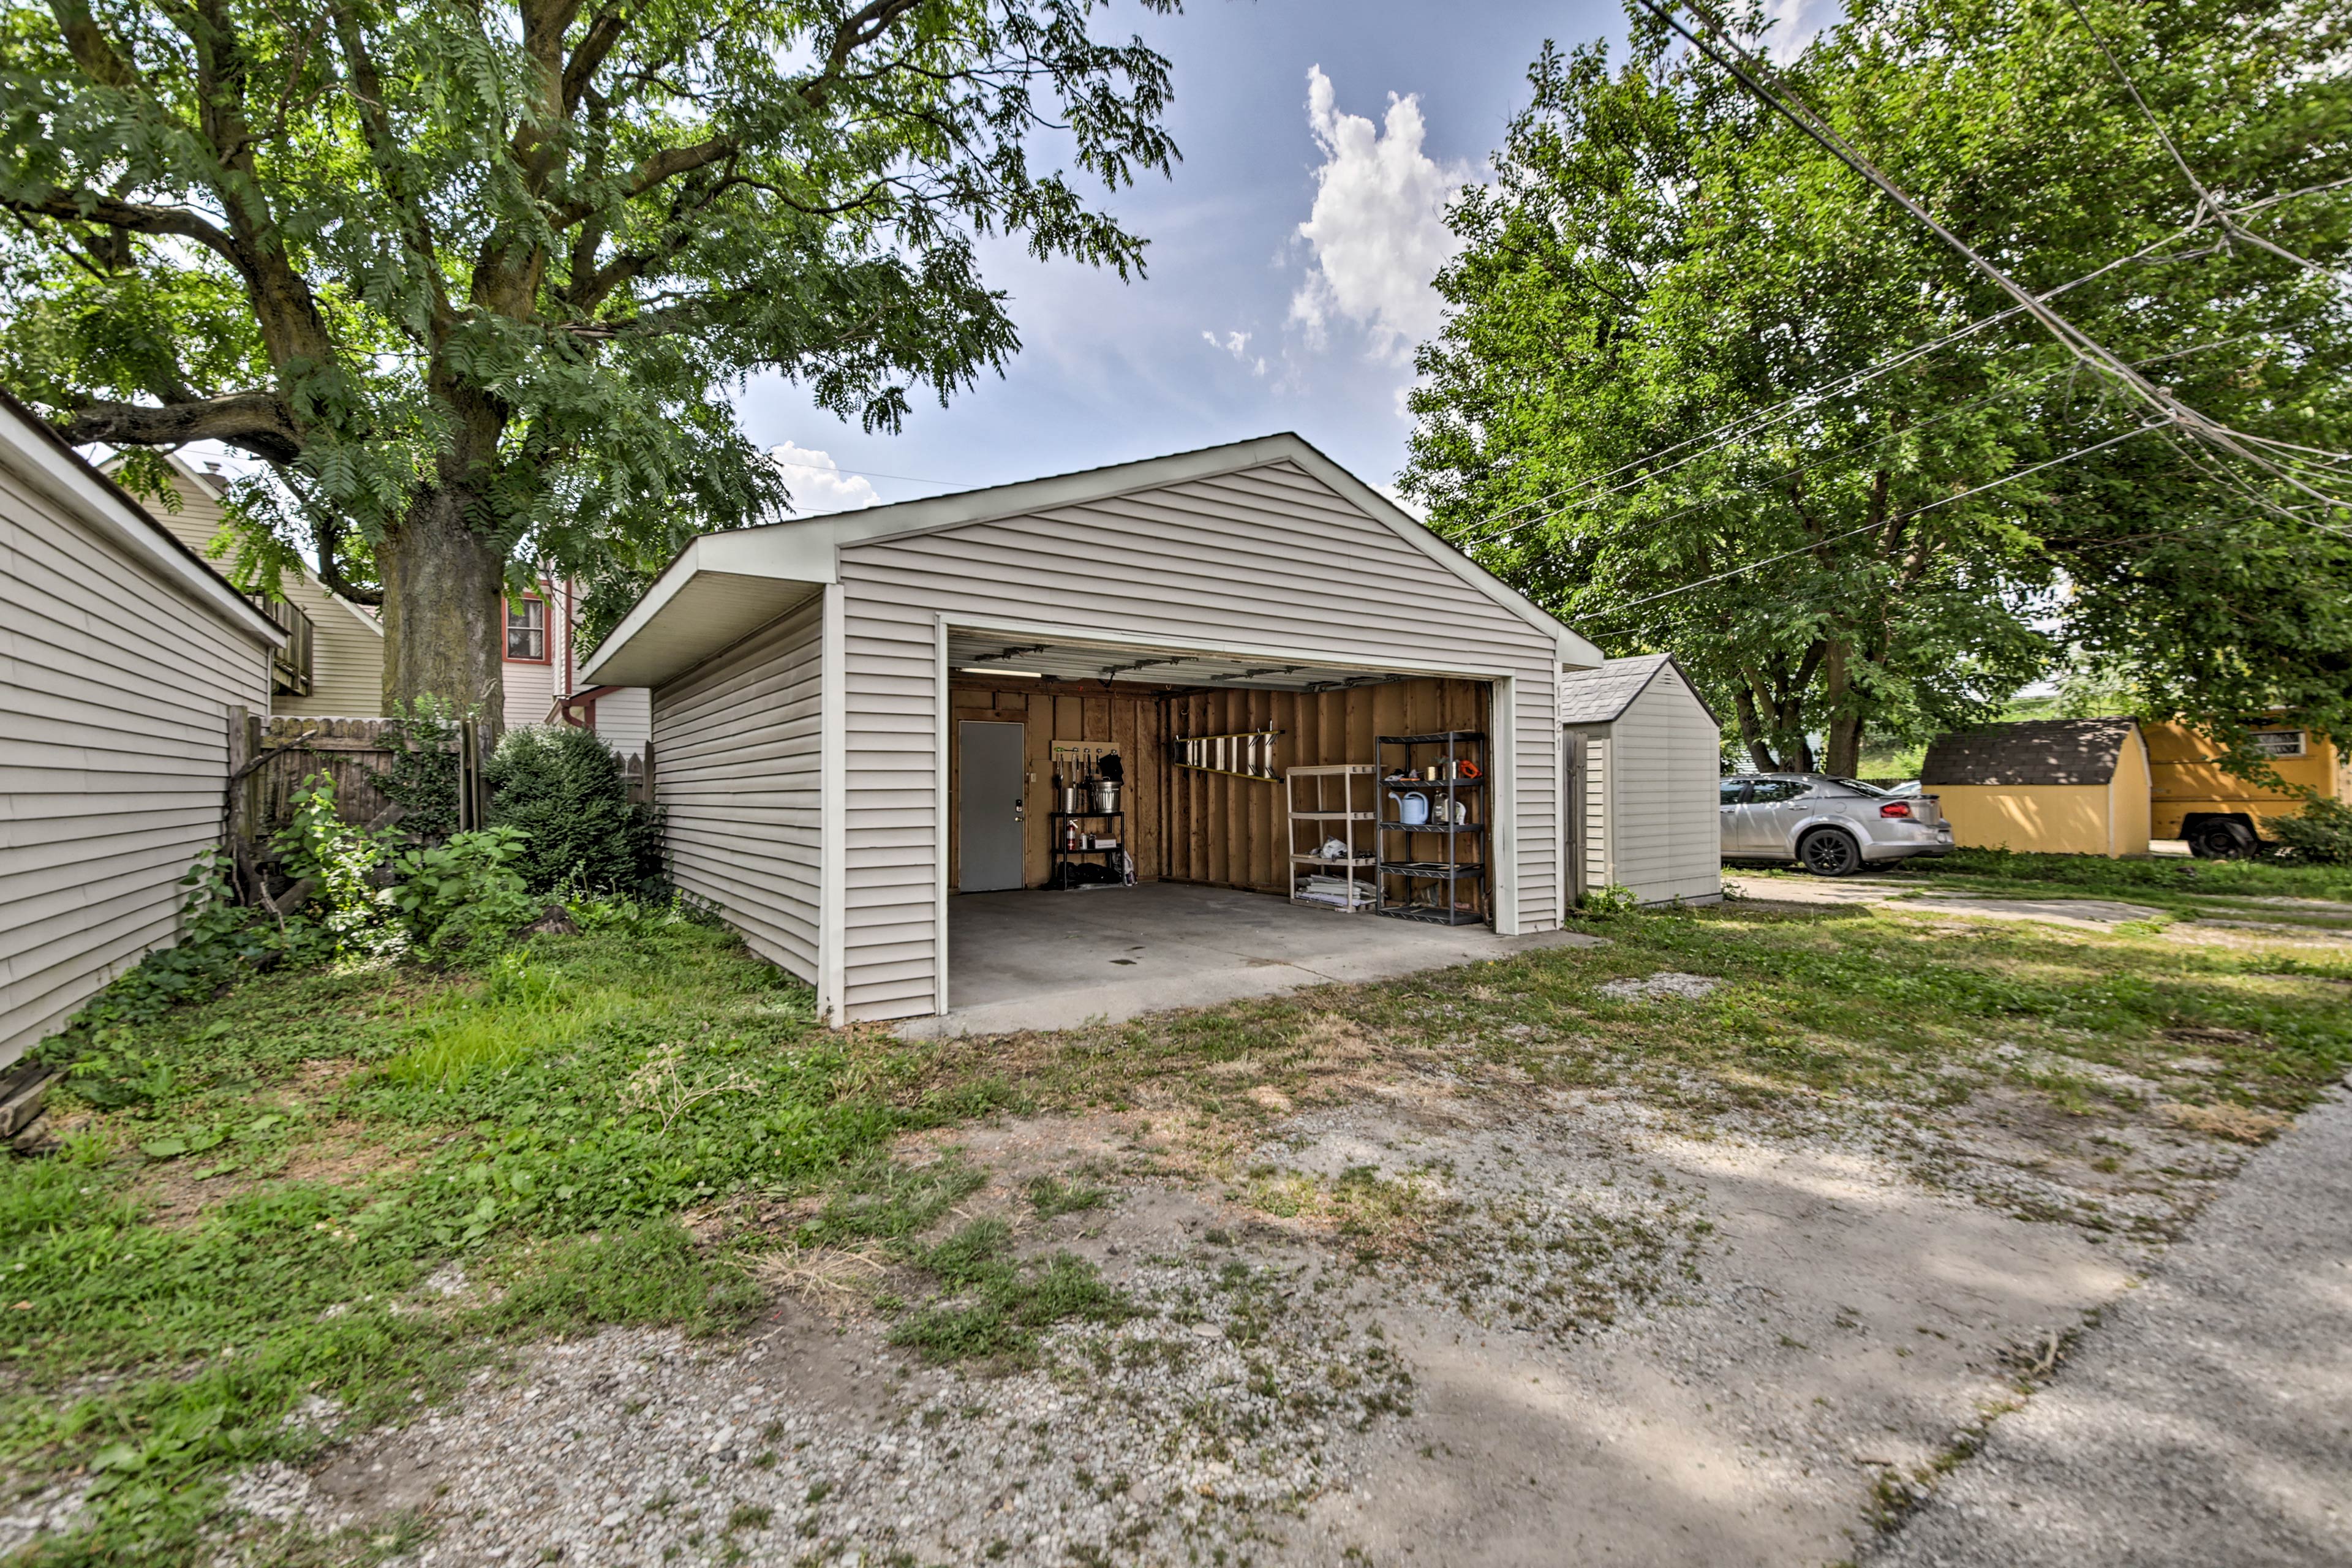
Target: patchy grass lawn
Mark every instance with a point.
(315, 1203)
(2169, 882)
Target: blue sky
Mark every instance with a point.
(1354, 120)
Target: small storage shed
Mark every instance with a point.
(2056, 787)
(858, 715)
(1642, 751)
(124, 654)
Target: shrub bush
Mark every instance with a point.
(2319, 835)
(465, 890)
(567, 790)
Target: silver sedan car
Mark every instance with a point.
(1832, 827)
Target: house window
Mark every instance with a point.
(2278, 742)
(526, 631)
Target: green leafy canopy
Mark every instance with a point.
(1659, 255)
(523, 254)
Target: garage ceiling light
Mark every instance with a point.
(993, 669)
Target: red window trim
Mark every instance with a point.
(546, 628)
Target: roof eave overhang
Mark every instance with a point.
(807, 551)
(44, 462)
(722, 588)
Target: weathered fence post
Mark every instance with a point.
(473, 798)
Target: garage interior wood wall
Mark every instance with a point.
(1183, 825)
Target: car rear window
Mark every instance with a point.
(1855, 786)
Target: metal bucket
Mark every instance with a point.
(1106, 795)
(1074, 799)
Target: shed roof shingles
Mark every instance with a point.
(1598, 695)
(2032, 751)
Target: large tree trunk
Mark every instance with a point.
(443, 620)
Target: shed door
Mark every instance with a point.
(988, 819)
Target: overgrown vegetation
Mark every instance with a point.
(257, 1188)
(332, 1190)
(2319, 835)
(565, 792)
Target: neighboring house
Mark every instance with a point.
(333, 664)
(807, 677)
(2061, 786)
(542, 674)
(1643, 753)
(125, 654)
(2220, 813)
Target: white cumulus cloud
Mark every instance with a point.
(1378, 228)
(1237, 344)
(817, 483)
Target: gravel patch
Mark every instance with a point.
(1665, 983)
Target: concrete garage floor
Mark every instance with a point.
(1038, 960)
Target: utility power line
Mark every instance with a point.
(2207, 200)
(1747, 70)
(1757, 486)
(1809, 548)
(1745, 426)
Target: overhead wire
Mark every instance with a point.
(2207, 200)
(1889, 521)
(1759, 420)
(1755, 486)
(1744, 69)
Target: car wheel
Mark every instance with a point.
(2221, 839)
(1826, 852)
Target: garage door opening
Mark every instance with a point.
(1176, 887)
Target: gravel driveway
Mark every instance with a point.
(2210, 1419)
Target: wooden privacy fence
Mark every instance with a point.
(271, 755)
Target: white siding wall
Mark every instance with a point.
(1599, 768)
(625, 719)
(736, 768)
(115, 698)
(1666, 832)
(1246, 560)
(347, 648)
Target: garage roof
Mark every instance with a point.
(723, 587)
(2032, 751)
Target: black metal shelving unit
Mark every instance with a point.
(1433, 888)
(1065, 857)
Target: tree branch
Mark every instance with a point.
(260, 422)
(136, 217)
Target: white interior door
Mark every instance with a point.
(989, 812)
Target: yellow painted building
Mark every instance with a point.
(2056, 786)
(2219, 813)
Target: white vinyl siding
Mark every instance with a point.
(1651, 802)
(737, 776)
(115, 689)
(1666, 832)
(1268, 558)
(347, 646)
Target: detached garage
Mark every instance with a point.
(124, 654)
(859, 717)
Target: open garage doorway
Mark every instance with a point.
(1192, 900)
